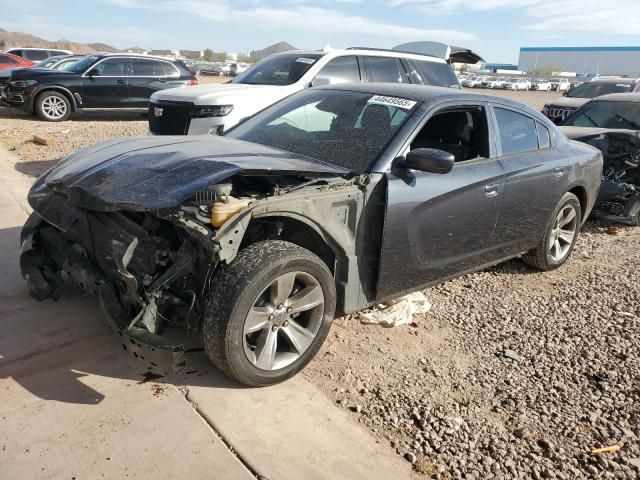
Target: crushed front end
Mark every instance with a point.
(619, 197)
(147, 268)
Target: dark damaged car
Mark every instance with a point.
(327, 202)
(611, 123)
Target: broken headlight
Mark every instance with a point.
(22, 83)
(204, 111)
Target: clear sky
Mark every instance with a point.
(496, 29)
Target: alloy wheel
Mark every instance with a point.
(563, 233)
(283, 321)
(54, 107)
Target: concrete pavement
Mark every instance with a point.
(73, 404)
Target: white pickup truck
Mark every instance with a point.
(212, 109)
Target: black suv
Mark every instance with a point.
(103, 81)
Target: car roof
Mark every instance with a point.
(620, 97)
(134, 55)
(380, 52)
(422, 93)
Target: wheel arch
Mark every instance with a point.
(583, 197)
(56, 88)
(301, 231)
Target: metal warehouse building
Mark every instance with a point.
(582, 60)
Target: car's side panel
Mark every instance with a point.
(107, 90)
(437, 225)
(535, 181)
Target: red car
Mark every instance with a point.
(8, 60)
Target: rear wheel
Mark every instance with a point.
(53, 106)
(560, 237)
(268, 313)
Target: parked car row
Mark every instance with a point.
(515, 83)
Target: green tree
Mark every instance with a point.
(207, 55)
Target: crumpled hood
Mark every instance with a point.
(162, 172)
(568, 102)
(578, 133)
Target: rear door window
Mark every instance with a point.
(435, 73)
(36, 55)
(342, 68)
(385, 69)
(142, 67)
(517, 132)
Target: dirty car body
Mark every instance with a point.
(611, 123)
(391, 187)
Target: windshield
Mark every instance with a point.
(46, 63)
(603, 114)
(81, 65)
(344, 128)
(594, 89)
(281, 69)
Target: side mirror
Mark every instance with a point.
(564, 94)
(558, 120)
(429, 160)
(93, 73)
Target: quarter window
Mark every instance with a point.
(517, 132)
(544, 138)
(342, 68)
(385, 69)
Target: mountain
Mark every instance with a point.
(102, 47)
(271, 49)
(19, 39)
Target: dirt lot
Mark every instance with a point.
(513, 373)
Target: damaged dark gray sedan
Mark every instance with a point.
(327, 202)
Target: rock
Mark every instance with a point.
(511, 354)
(411, 457)
(356, 408)
(42, 140)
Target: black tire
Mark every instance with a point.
(45, 112)
(235, 288)
(540, 257)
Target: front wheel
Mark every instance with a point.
(560, 237)
(53, 106)
(268, 313)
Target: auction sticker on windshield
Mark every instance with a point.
(308, 61)
(392, 101)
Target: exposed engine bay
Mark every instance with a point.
(152, 269)
(619, 197)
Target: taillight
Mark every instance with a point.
(192, 81)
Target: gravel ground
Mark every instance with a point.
(513, 374)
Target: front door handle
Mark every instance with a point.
(492, 190)
(162, 80)
(121, 81)
(559, 171)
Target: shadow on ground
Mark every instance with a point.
(49, 347)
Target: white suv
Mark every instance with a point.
(215, 108)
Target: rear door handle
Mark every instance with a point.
(492, 190)
(162, 80)
(121, 81)
(559, 171)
